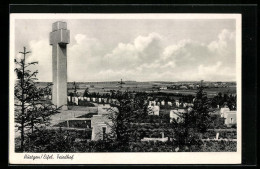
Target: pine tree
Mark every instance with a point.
(129, 109)
(193, 124)
(30, 111)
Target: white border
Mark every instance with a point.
(129, 158)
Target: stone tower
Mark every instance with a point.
(59, 38)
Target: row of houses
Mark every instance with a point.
(225, 112)
(101, 124)
(229, 116)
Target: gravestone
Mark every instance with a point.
(163, 103)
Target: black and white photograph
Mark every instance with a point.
(125, 89)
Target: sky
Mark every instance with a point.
(140, 50)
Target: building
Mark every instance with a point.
(101, 123)
(223, 111)
(230, 118)
(192, 86)
(163, 88)
(153, 110)
(183, 87)
(175, 114)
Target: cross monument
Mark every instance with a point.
(59, 38)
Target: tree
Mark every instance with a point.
(71, 95)
(75, 87)
(193, 124)
(129, 109)
(86, 92)
(30, 110)
(232, 102)
(227, 99)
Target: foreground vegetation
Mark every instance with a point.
(78, 141)
(132, 123)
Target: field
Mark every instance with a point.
(147, 87)
(106, 87)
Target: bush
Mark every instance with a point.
(219, 146)
(234, 126)
(217, 122)
(79, 141)
(54, 140)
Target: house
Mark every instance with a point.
(230, 118)
(101, 123)
(223, 110)
(163, 88)
(153, 110)
(175, 114)
(191, 86)
(100, 126)
(183, 87)
(152, 103)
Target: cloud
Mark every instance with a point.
(146, 58)
(84, 57)
(40, 52)
(216, 72)
(144, 49)
(220, 45)
(175, 49)
(185, 60)
(142, 42)
(210, 69)
(170, 64)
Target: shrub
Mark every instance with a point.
(219, 146)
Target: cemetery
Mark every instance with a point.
(124, 118)
(151, 127)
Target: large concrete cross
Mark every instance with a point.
(59, 38)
